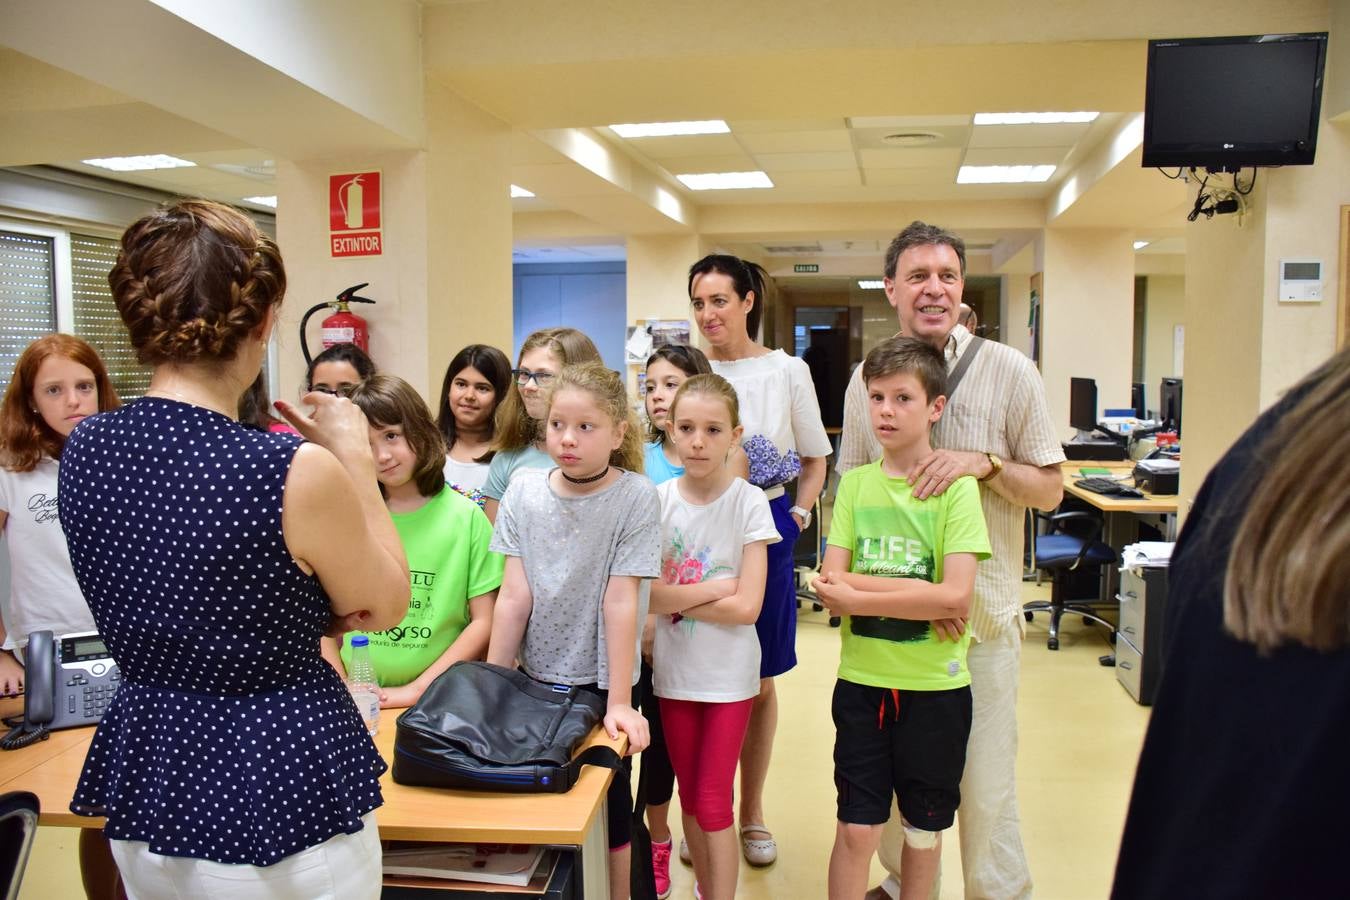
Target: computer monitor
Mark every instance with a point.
(1083, 405)
(1169, 404)
(1137, 400)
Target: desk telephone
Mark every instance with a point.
(68, 681)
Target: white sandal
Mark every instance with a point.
(758, 851)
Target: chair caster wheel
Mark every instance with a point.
(835, 621)
(1031, 617)
(1052, 643)
(817, 607)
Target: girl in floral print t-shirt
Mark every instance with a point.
(715, 530)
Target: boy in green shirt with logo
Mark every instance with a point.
(901, 574)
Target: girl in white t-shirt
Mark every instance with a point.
(715, 531)
(58, 381)
(476, 380)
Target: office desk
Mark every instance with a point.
(1119, 513)
(577, 818)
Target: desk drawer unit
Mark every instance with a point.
(1139, 639)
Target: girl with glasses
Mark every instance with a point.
(339, 368)
(519, 442)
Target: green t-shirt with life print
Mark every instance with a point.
(893, 535)
(446, 541)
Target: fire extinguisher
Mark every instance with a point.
(343, 326)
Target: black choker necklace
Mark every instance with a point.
(592, 479)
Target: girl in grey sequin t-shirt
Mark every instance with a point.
(570, 546)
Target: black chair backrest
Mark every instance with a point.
(18, 827)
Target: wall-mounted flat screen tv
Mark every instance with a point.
(1224, 103)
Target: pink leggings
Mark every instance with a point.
(704, 741)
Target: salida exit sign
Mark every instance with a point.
(807, 268)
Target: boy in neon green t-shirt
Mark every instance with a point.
(901, 573)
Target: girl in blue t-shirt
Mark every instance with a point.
(667, 368)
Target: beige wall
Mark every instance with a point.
(1087, 316)
(1165, 308)
(467, 209)
(1259, 347)
(397, 278)
(444, 279)
(1016, 309)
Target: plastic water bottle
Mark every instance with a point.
(361, 682)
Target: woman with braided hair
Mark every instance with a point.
(232, 761)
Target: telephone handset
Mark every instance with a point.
(68, 681)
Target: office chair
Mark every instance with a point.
(1060, 553)
(18, 827)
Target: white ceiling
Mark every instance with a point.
(811, 93)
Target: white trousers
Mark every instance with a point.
(344, 867)
(993, 863)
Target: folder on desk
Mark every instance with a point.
(512, 864)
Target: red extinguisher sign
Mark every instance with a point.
(354, 214)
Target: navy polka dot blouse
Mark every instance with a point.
(230, 739)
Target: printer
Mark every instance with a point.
(1158, 476)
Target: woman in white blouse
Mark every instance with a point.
(784, 439)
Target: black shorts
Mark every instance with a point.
(910, 743)
(619, 799)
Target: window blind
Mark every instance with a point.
(27, 296)
(96, 319)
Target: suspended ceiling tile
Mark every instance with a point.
(1016, 156)
(816, 178)
(805, 162)
(911, 158)
(1064, 135)
(923, 175)
(684, 145)
(685, 165)
(797, 141)
(920, 122)
(771, 126)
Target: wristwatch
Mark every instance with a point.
(995, 466)
(804, 515)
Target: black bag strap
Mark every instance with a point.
(954, 379)
(600, 755)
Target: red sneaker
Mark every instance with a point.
(661, 868)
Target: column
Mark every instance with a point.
(1087, 316)
(443, 279)
(1244, 347)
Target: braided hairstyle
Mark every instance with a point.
(193, 280)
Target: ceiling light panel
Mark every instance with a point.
(725, 181)
(262, 201)
(518, 191)
(1034, 118)
(1140, 245)
(670, 129)
(872, 285)
(139, 163)
(1004, 174)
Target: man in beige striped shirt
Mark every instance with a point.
(996, 427)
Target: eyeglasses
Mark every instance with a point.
(524, 376)
(342, 390)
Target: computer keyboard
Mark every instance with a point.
(1107, 486)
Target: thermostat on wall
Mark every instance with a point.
(1300, 280)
